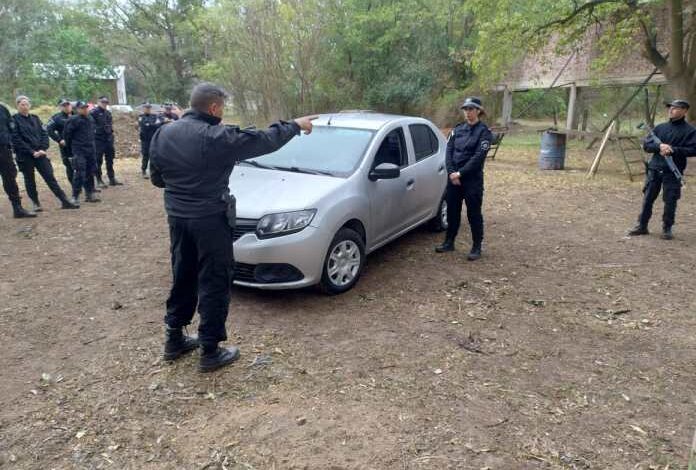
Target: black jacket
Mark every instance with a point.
(467, 147)
(193, 158)
(148, 125)
(680, 135)
(56, 125)
(28, 136)
(103, 124)
(6, 125)
(79, 135)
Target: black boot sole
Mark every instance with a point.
(212, 367)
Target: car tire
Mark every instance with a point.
(439, 222)
(343, 262)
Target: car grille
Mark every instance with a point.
(244, 272)
(244, 226)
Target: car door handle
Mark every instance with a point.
(441, 169)
(410, 183)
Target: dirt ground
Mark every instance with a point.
(567, 346)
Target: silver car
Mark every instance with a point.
(309, 213)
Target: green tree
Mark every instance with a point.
(509, 29)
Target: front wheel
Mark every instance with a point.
(343, 263)
(439, 222)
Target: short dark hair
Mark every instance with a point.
(205, 94)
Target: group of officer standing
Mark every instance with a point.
(85, 139)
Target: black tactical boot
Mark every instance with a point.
(667, 233)
(36, 206)
(448, 245)
(177, 344)
(20, 212)
(475, 253)
(213, 357)
(92, 197)
(114, 182)
(638, 230)
(68, 204)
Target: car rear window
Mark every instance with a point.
(425, 143)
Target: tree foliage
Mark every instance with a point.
(507, 30)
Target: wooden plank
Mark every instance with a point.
(598, 157)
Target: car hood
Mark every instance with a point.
(260, 192)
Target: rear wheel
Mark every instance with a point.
(343, 263)
(439, 222)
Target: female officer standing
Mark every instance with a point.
(467, 147)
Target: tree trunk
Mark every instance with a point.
(681, 87)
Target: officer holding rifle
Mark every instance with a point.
(670, 144)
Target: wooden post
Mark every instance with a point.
(598, 157)
(572, 100)
(507, 107)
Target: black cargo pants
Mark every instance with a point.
(656, 181)
(202, 268)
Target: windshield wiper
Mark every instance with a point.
(257, 164)
(304, 170)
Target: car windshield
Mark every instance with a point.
(336, 151)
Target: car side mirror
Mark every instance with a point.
(385, 171)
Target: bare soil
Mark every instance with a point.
(567, 346)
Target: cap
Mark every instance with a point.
(677, 104)
(472, 102)
(147, 104)
(63, 102)
(81, 104)
(103, 99)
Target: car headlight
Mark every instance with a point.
(284, 223)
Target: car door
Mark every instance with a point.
(429, 169)
(388, 208)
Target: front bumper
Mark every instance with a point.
(304, 251)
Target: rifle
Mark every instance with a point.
(668, 158)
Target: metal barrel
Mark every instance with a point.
(553, 151)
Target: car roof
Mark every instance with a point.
(361, 119)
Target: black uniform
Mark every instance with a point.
(193, 159)
(681, 136)
(55, 128)
(79, 139)
(148, 124)
(104, 142)
(8, 171)
(466, 152)
(29, 136)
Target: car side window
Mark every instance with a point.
(425, 142)
(392, 150)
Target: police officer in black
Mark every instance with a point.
(192, 159)
(30, 143)
(467, 147)
(169, 115)
(79, 139)
(148, 123)
(104, 140)
(678, 140)
(55, 127)
(8, 170)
